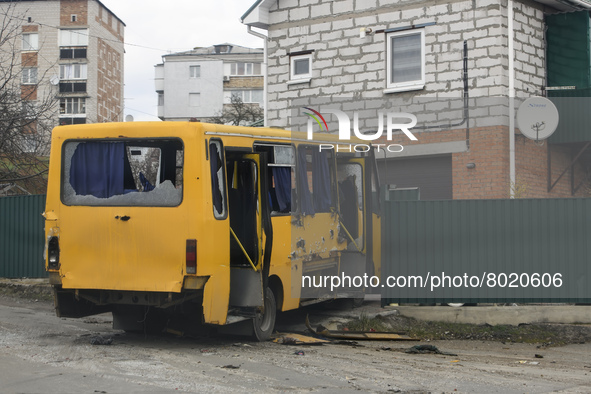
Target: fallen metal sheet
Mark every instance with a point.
(357, 335)
(298, 339)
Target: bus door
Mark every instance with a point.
(352, 218)
(246, 209)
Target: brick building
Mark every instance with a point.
(71, 50)
(198, 83)
(411, 56)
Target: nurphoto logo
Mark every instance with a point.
(395, 121)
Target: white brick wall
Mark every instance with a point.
(345, 64)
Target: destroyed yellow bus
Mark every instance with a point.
(214, 224)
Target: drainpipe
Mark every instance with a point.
(265, 100)
(510, 35)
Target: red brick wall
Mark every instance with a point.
(489, 151)
(29, 59)
(532, 169)
(109, 83)
(73, 7)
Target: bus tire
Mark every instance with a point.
(264, 323)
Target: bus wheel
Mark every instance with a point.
(264, 323)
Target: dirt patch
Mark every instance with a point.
(31, 289)
(542, 334)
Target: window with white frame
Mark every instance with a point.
(29, 75)
(73, 71)
(30, 41)
(242, 68)
(405, 60)
(247, 96)
(160, 99)
(73, 37)
(300, 66)
(72, 106)
(194, 71)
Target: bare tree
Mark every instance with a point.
(26, 114)
(238, 113)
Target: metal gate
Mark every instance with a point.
(22, 237)
(490, 240)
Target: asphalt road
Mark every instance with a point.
(40, 353)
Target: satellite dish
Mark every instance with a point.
(537, 118)
(54, 80)
(129, 118)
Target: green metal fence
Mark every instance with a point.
(22, 237)
(489, 236)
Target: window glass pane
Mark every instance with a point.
(136, 173)
(195, 71)
(406, 58)
(233, 69)
(248, 68)
(80, 53)
(30, 41)
(241, 67)
(257, 69)
(73, 37)
(301, 66)
(217, 179)
(238, 94)
(257, 96)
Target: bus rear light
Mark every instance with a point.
(53, 253)
(191, 259)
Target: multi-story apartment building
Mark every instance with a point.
(198, 83)
(425, 58)
(70, 51)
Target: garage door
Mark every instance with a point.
(432, 175)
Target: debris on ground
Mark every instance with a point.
(348, 343)
(538, 356)
(238, 344)
(357, 335)
(176, 333)
(299, 353)
(98, 340)
(427, 349)
(298, 339)
(230, 366)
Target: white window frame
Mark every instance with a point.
(299, 78)
(245, 95)
(247, 66)
(68, 71)
(30, 41)
(195, 71)
(73, 37)
(77, 106)
(393, 87)
(29, 78)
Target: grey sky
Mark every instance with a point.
(155, 28)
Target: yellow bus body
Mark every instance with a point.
(128, 254)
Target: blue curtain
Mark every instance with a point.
(321, 181)
(282, 176)
(306, 206)
(97, 169)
